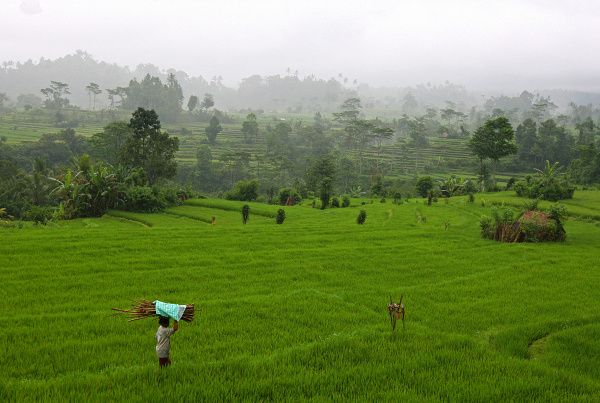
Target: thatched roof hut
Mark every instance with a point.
(536, 226)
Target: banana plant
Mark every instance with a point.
(452, 186)
(549, 174)
(101, 190)
(68, 191)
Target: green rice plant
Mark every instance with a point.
(230, 205)
(299, 312)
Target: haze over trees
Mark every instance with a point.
(367, 141)
(280, 92)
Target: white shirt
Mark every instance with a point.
(163, 341)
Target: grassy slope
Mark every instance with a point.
(29, 126)
(299, 311)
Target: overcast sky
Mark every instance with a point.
(507, 44)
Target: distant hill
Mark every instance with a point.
(289, 92)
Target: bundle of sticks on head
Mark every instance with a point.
(145, 309)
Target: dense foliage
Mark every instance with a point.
(547, 185)
(343, 141)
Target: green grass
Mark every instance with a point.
(298, 311)
(584, 204)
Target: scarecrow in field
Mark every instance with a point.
(396, 312)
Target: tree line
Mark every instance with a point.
(324, 158)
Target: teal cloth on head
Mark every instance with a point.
(170, 310)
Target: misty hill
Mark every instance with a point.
(288, 92)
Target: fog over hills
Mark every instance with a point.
(487, 48)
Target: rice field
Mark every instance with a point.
(298, 311)
(31, 125)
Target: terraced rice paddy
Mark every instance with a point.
(29, 126)
(298, 311)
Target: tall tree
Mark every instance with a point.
(250, 128)
(278, 141)
(3, 99)
(493, 140)
(208, 102)
(418, 137)
(236, 163)
(554, 143)
(525, 138)
(150, 148)
(93, 91)
(586, 131)
(358, 136)
(54, 95)
(150, 93)
(318, 170)
(213, 129)
(350, 111)
(585, 168)
(111, 97)
(192, 103)
(110, 143)
(381, 134)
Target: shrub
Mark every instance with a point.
(487, 227)
(345, 201)
(362, 216)
(143, 199)
(39, 214)
(280, 216)
(556, 192)
(245, 213)
(423, 185)
(510, 182)
(288, 193)
(243, 191)
(171, 196)
(335, 202)
(495, 227)
(325, 191)
(470, 187)
(521, 188)
(6, 220)
(531, 204)
(557, 211)
(493, 188)
(533, 189)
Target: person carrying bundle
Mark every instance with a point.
(163, 340)
(163, 335)
(145, 309)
